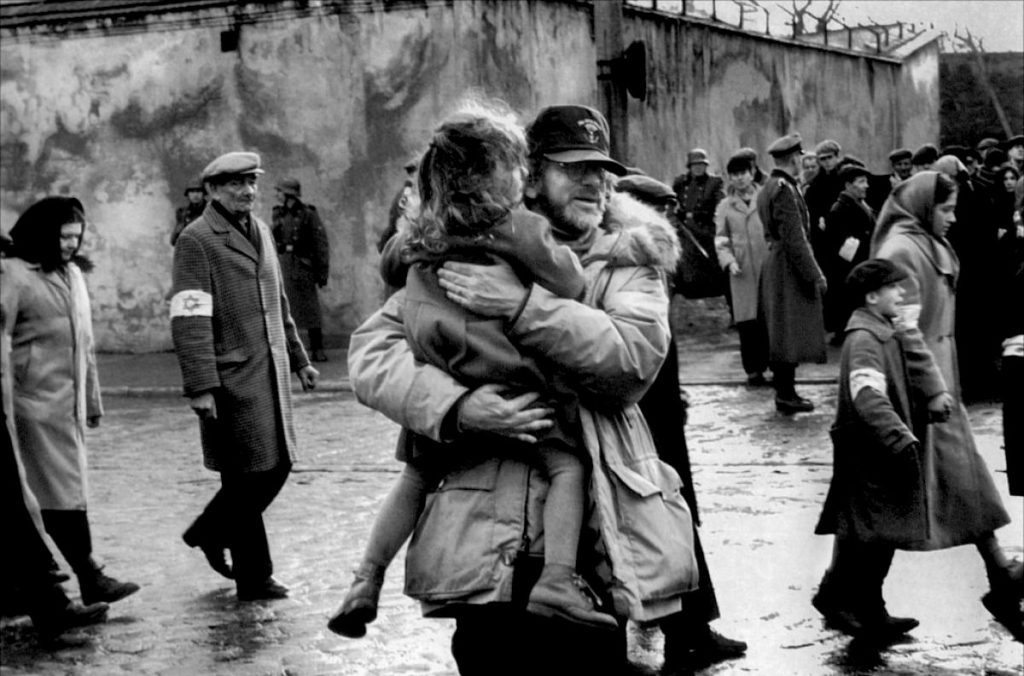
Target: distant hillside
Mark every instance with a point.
(966, 114)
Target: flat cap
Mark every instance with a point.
(194, 188)
(986, 143)
(290, 186)
(234, 163)
(1017, 140)
(697, 156)
(828, 147)
(872, 275)
(786, 145)
(900, 154)
(742, 160)
(646, 189)
(925, 155)
(572, 133)
(849, 172)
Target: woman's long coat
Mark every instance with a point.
(739, 238)
(234, 337)
(963, 501)
(791, 301)
(55, 384)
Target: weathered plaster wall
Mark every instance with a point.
(126, 121)
(720, 89)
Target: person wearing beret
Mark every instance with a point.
(237, 346)
(196, 196)
(792, 284)
(848, 228)
(305, 256)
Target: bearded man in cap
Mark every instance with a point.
(305, 256)
(477, 559)
(792, 285)
(237, 345)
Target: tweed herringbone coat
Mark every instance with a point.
(234, 337)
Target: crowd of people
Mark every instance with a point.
(527, 350)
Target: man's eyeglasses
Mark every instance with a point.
(578, 170)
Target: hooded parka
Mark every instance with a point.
(484, 516)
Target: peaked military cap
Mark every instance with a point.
(786, 145)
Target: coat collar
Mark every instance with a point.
(783, 174)
(851, 201)
(222, 224)
(633, 233)
(863, 319)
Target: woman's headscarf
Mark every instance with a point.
(951, 166)
(36, 234)
(910, 204)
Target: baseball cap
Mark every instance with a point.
(572, 133)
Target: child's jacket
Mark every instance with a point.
(878, 490)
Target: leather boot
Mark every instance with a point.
(560, 593)
(360, 605)
(97, 587)
(50, 625)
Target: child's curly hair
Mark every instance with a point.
(463, 191)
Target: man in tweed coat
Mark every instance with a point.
(236, 345)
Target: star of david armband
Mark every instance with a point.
(191, 303)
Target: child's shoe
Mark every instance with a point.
(559, 593)
(360, 605)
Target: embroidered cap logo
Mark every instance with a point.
(592, 130)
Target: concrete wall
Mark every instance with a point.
(721, 89)
(125, 120)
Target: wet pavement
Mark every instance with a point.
(760, 481)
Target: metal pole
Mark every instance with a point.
(608, 33)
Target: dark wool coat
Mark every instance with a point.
(849, 217)
(305, 259)
(790, 300)
(234, 337)
(878, 491)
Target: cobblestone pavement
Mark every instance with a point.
(760, 480)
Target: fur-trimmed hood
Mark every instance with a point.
(635, 234)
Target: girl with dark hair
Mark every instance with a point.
(56, 389)
(961, 504)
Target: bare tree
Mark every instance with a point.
(799, 13)
(975, 46)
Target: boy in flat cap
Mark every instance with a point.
(237, 345)
(876, 502)
(305, 255)
(792, 285)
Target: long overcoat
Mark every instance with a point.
(739, 238)
(304, 254)
(234, 337)
(55, 383)
(790, 298)
(483, 517)
(848, 217)
(879, 491)
(964, 502)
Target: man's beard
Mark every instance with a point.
(567, 221)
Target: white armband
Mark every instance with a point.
(867, 377)
(191, 303)
(1014, 346)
